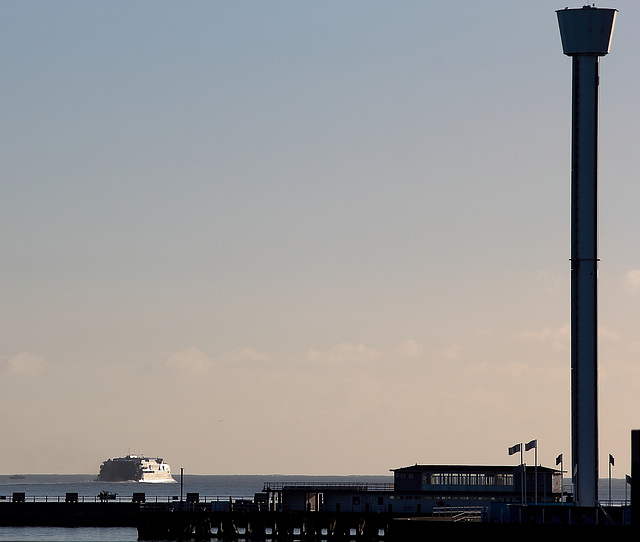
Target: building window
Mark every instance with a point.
(504, 479)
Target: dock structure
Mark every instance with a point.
(245, 521)
(421, 499)
(158, 524)
(163, 524)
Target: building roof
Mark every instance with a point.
(467, 468)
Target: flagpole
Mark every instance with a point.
(627, 481)
(611, 462)
(534, 444)
(561, 478)
(560, 460)
(522, 475)
(535, 472)
(512, 450)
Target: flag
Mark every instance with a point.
(559, 459)
(514, 449)
(611, 459)
(531, 444)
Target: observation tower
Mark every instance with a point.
(586, 35)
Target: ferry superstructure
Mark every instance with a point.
(135, 468)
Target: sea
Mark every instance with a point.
(52, 487)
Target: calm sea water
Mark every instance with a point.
(54, 487)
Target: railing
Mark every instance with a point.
(615, 502)
(122, 498)
(319, 486)
(459, 513)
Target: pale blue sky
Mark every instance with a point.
(303, 237)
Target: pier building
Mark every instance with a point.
(425, 489)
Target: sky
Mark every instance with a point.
(316, 237)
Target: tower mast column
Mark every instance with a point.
(586, 36)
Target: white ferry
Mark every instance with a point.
(135, 468)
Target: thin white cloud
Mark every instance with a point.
(347, 353)
(410, 348)
(244, 354)
(558, 337)
(552, 282)
(190, 361)
(24, 364)
(194, 361)
(452, 352)
(632, 281)
(606, 333)
(344, 353)
(517, 368)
